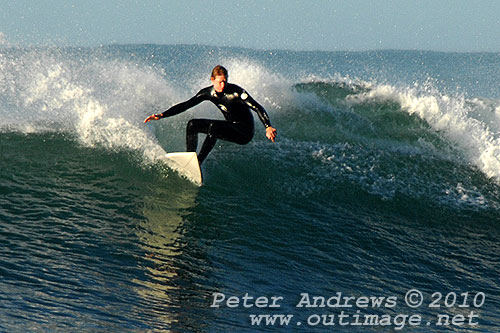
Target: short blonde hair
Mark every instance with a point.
(219, 70)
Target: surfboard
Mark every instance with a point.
(185, 164)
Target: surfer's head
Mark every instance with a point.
(218, 71)
(219, 78)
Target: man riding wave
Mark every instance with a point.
(234, 103)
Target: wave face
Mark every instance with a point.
(383, 160)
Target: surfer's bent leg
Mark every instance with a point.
(215, 129)
(194, 127)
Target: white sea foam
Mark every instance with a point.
(269, 88)
(102, 102)
(470, 124)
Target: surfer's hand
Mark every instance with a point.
(152, 117)
(271, 133)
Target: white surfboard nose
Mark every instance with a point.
(186, 164)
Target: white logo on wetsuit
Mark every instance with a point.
(222, 107)
(231, 96)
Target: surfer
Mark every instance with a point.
(234, 103)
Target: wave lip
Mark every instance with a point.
(470, 125)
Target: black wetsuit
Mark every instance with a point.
(235, 104)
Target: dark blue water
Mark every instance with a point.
(383, 183)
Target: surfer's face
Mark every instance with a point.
(219, 83)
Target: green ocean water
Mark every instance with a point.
(384, 179)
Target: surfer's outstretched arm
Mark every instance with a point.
(181, 107)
